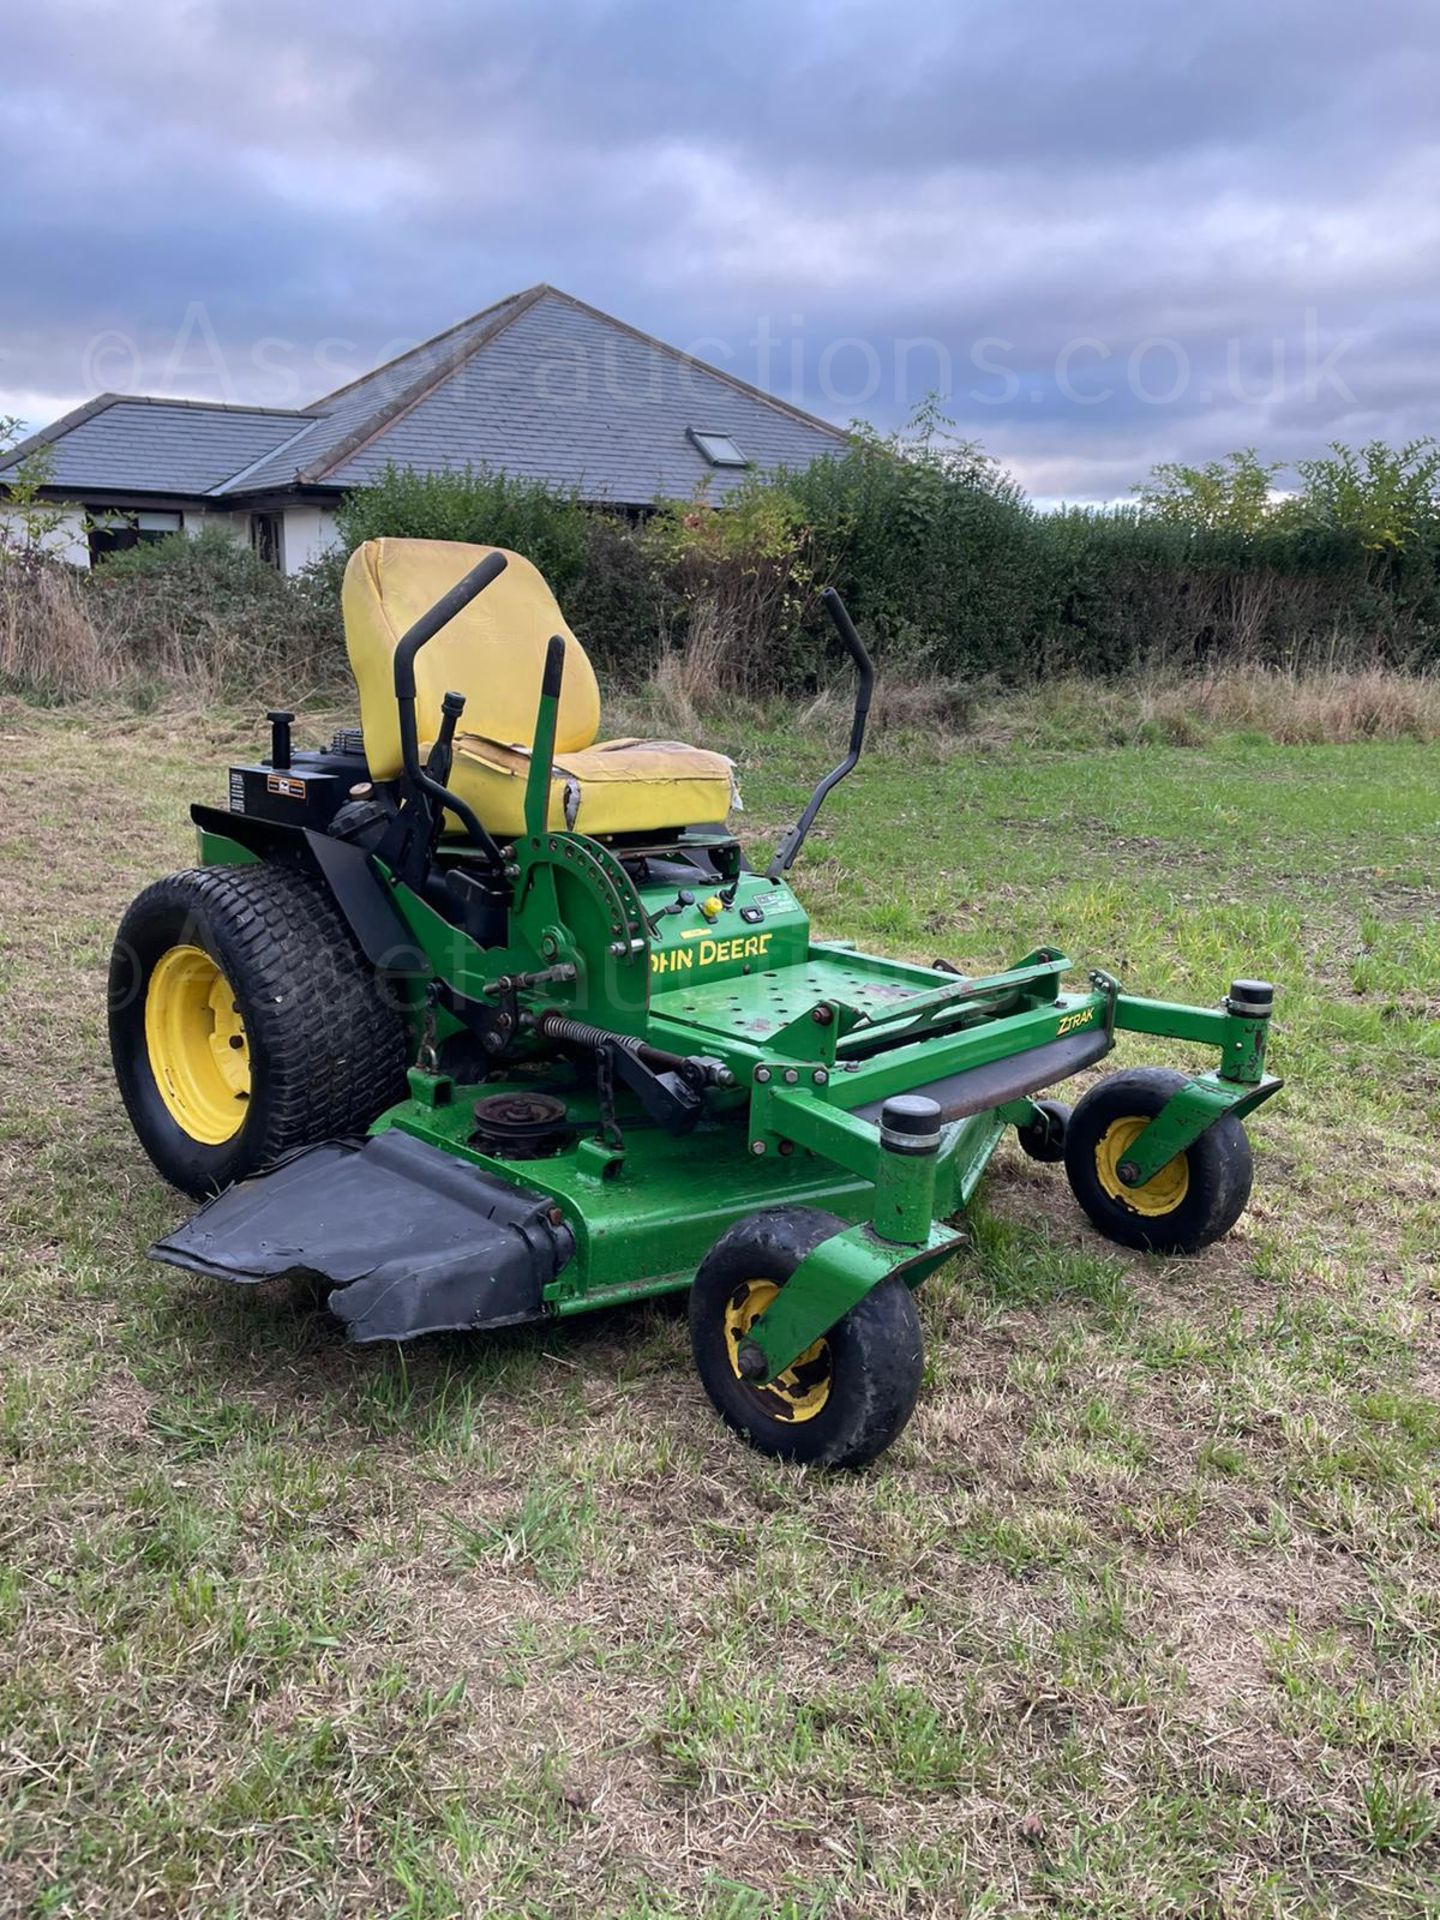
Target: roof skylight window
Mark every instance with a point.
(718, 448)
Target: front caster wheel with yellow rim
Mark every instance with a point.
(1193, 1200)
(847, 1396)
(245, 1023)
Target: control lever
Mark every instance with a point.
(683, 899)
(442, 752)
(792, 841)
(279, 738)
(411, 641)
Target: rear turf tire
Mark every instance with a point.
(850, 1395)
(1194, 1200)
(245, 1023)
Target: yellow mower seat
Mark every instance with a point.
(494, 653)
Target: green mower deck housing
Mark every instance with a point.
(607, 1065)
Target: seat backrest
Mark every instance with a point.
(493, 652)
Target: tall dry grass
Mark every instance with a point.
(211, 624)
(1331, 706)
(50, 645)
(1327, 705)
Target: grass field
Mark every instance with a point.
(1141, 1616)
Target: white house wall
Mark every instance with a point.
(309, 532)
(306, 533)
(68, 542)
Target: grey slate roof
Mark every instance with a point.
(360, 408)
(539, 385)
(130, 444)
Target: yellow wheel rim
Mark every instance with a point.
(1162, 1192)
(196, 1041)
(801, 1391)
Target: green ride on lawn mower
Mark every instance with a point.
(482, 1028)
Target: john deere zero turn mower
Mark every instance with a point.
(488, 1026)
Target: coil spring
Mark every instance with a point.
(559, 1026)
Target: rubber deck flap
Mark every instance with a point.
(961, 1094)
(413, 1240)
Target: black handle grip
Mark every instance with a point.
(554, 675)
(280, 721)
(426, 628)
(440, 615)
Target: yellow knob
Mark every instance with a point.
(713, 907)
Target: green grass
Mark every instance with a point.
(1139, 1617)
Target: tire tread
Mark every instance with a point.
(1221, 1167)
(878, 1347)
(332, 1051)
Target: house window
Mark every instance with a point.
(266, 530)
(718, 448)
(112, 530)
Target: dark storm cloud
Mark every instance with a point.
(1112, 234)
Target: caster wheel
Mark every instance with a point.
(1193, 1200)
(847, 1396)
(1044, 1138)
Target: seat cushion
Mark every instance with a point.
(620, 786)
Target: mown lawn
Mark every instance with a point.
(1142, 1615)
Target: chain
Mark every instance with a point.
(428, 1059)
(609, 1132)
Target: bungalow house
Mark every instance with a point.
(539, 385)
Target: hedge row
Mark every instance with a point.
(952, 575)
(949, 569)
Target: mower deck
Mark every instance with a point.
(359, 1219)
(638, 1205)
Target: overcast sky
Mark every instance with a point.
(1113, 232)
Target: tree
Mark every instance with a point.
(1233, 495)
(1383, 496)
(928, 442)
(30, 525)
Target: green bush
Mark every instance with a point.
(954, 577)
(621, 607)
(741, 580)
(486, 509)
(932, 546)
(206, 609)
(596, 567)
